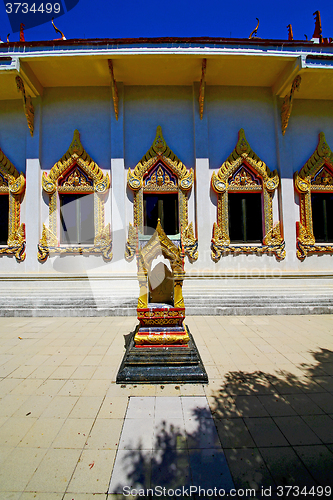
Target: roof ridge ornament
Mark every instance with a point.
(58, 31)
(290, 33)
(22, 39)
(254, 32)
(318, 29)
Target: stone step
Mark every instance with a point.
(110, 297)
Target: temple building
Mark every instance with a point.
(227, 143)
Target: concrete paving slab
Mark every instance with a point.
(42, 405)
(296, 431)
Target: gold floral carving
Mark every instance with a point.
(190, 243)
(76, 179)
(13, 185)
(49, 245)
(114, 90)
(69, 175)
(323, 181)
(288, 103)
(160, 181)
(273, 244)
(27, 104)
(163, 313)
(243, 179)
(242, 162)
(202, 88)
(161, 339)
(131, 243)
(160, 153)
(315, 176)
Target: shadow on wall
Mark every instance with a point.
(276, 431)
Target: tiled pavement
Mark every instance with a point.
(270, 393)
(177, 446)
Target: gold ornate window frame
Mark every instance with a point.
(13, 184)
(322, 158)
(138, 183)
(49, 243)
(273, 242)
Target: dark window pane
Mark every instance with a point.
(322, 217)
(245, 218)
(77, 218)
(163, 207)
(4, 209)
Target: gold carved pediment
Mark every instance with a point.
(76, 156)
(322, 157)
(243, 155)
(160, 151)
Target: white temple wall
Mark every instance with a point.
(231, 108)
(86, 109)
(13, 127)
(147, 107)
(116, 145)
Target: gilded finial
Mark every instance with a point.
(254, 32)
(58, 31)
(8, 37)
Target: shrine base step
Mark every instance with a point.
(165, 364)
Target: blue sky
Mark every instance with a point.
(183, 18)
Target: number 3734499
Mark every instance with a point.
(295, 491)
(24, 8)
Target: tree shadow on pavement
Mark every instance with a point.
(276, 431)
